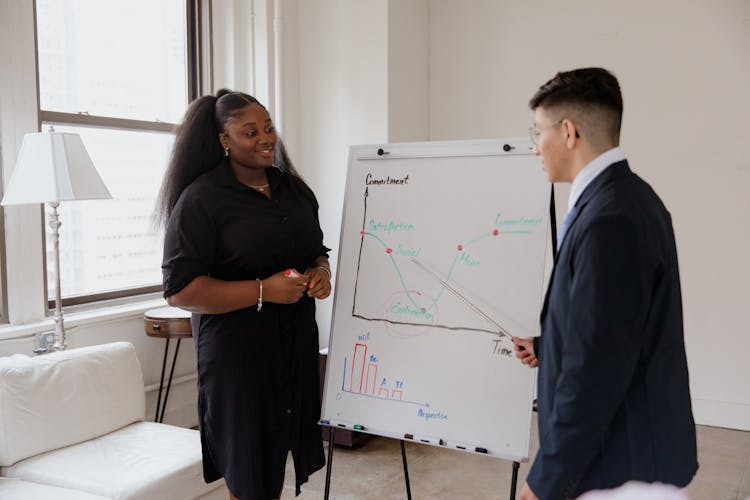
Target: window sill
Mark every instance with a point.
(77, 316)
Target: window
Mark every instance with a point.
(117, 73)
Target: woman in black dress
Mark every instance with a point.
(244, 252)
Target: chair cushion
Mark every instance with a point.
(63, 398)
(17, 489)
(143, 461)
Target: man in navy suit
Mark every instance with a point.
(613, 396)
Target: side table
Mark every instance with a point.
(167, 323)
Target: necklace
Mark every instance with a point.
(260, 188)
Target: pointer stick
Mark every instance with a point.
(466, 301)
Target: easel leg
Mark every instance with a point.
(331, 436)
(406, 470)
(514, 481)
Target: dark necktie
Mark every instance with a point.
(565, 225)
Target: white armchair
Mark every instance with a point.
(72, 423)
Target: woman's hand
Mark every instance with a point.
(320, 283)
(282, 288)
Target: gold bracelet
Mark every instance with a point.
(324, 268)
(260, 294)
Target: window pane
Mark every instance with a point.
(108, 245)
(119, 59)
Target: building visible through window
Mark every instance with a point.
(116, 73)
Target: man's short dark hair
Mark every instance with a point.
(585, 86)
(592, 95)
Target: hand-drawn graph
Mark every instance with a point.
(390, 242)
(360, 376)
(424, 225)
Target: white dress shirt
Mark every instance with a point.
(591, 171)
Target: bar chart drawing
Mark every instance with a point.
(358, 368)
(360, 378)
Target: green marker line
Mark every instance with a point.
(448, 278)
(401, 279)
(385, 245)
(477, 239)
(450, 271)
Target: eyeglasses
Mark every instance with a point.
(534, 132)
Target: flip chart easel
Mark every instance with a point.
(408, 359)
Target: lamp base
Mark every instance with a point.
(54, 224)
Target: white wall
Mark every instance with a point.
(408, 70)
(18, 116)
(241, 43)
(684, 69)
(356, 72)
(342, 56)
(685, 73)
(369, 71)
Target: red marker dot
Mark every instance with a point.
(388, 250)
(287, 272)
(495, 232)
(362, 233)
(460, 247)
(424, 310)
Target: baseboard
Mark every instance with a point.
(722, 414)
(182, 408)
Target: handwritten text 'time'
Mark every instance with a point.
(499, 349)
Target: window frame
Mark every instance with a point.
(4, 316)
(195, 53)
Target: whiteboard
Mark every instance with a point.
(408, 358)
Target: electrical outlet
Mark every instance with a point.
(44, 341)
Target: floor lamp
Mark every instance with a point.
(54, 167)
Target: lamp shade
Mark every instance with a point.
(53, 166)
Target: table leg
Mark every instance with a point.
(169, 384)
(161, 381)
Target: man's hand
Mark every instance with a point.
(525, 351)
(527, 494)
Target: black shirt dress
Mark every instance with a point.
(258, 381)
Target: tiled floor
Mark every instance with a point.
(374, 471)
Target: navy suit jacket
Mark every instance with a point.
(613, 397)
